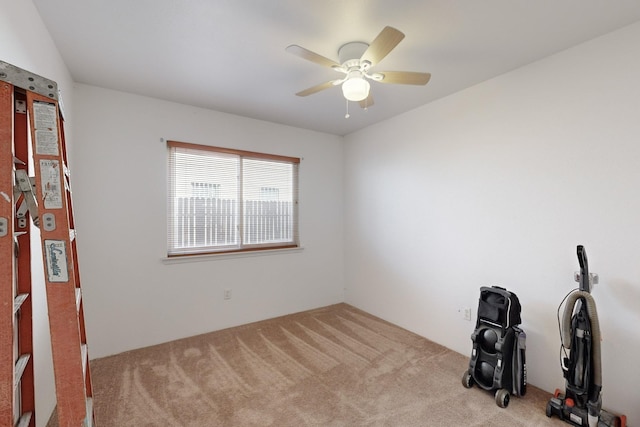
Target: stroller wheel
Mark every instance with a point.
(502, 398)
(467, 380)
(549, 410)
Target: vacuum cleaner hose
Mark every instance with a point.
(595, 330)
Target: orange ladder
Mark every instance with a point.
(32, 139)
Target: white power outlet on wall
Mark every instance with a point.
(465, 313)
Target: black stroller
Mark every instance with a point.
(498, 355)
(581, 404)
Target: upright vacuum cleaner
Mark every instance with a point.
(581, 404)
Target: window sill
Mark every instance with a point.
(227, 255)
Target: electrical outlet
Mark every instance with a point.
(227, 294)
(467, 314)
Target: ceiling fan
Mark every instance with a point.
(356, 60)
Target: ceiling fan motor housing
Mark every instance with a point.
(349, 54)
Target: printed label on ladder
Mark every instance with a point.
(56, 255)
(46, 125)
(50, 180)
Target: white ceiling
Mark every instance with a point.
(229, 55)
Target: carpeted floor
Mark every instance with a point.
(335, 366)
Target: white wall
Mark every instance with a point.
(498, 184)
(132, 298)
(25, 43)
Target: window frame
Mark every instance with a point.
(173, 252)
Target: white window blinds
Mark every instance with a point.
(224, 200)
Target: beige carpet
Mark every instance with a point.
(335, 366)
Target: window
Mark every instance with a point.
(224, 200)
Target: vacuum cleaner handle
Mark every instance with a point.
(584, 269)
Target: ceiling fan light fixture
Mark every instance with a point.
(355, 88)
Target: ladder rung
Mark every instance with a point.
(21, 365)
(17, 161)
(24, 419)
(18, 302)
(88, 421)
(85, 357)
(78, 297)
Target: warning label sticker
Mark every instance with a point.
(50, 180)
(46, 125)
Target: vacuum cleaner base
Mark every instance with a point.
(566, 410)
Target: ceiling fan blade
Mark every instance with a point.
(405, 77)
(311, 56)
(316, 88)
(367, 102)
(388, 39)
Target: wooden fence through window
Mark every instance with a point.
(207, 222)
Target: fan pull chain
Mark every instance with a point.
(346, 116)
